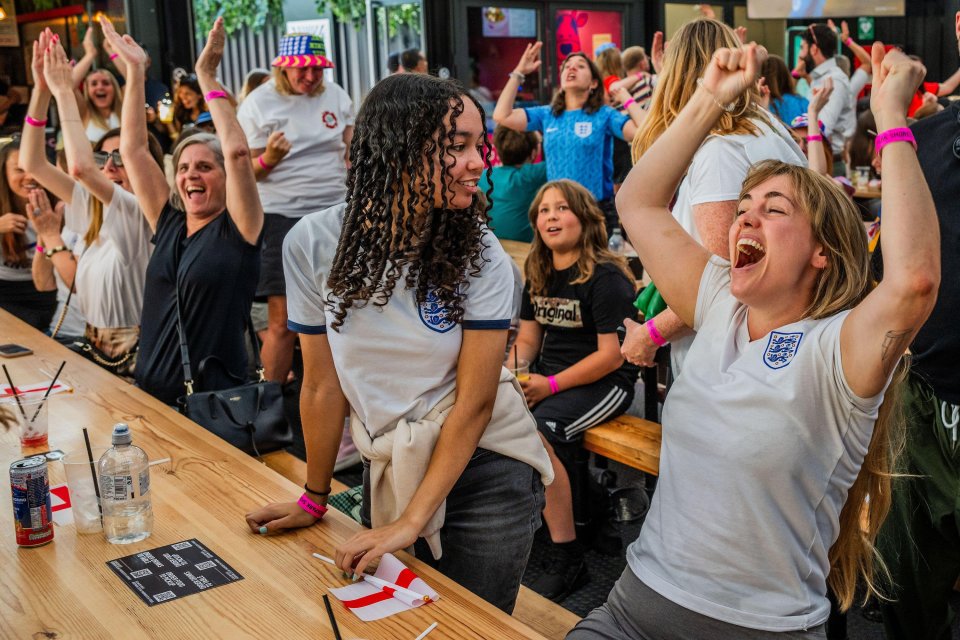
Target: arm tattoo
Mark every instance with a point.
(895, 343)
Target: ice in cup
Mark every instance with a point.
(84, 503)
(519, 368)
(31, 416)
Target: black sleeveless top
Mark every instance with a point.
(217, 275)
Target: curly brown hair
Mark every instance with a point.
(391, 227)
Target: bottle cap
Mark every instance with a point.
(121, 434)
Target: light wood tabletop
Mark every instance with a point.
(66, 590)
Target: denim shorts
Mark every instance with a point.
(493, 511)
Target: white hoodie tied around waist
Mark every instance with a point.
(399, 457)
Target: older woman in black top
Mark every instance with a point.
(207, 233)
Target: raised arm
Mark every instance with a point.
(48, 223)
(815, 141)
(656, 52)
(33, 155)
(878, 331)
(243, 199)
(504, 113)
(56, 71)
(82, 68)
(146, 177)
(674, 259)
(862, 54)
(949, 85)
(635, 111)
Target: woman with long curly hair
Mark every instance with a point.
(402, 298)
(781, 432)
(578, 128)
(577, 293)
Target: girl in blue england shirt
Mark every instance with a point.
(578, 128)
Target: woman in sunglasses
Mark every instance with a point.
(108, 261)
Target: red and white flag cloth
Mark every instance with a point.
(35, 388)
(370, 602)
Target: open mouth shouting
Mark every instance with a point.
(195, 192)
(749, 253)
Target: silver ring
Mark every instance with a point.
(36, 211)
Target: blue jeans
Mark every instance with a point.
(493, 511)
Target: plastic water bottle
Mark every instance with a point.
(124, 473)
(616, 242)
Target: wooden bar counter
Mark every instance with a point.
(66, 590)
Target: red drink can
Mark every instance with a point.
(30, 487)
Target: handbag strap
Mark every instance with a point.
(66, 303)
(184, 349)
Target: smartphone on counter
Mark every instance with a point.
(13, 351)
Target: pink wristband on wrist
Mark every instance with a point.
(213, 95)
(114, 56)
(795, 74)
(655, 334)
(626, 105)
(263, 164)
(848, 41)
(815, 138)
(554, 387)
(315, 509)
(899, 134)
(33, 122)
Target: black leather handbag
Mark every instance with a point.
(249, 416)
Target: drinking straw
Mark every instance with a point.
(333, 619)
(426, 631)
(49, 389)
(383, 584)
(93, 471)
(516, 359)
(13, 389)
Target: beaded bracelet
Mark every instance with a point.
(33, 122)
(729, 108)
(213, 95)
(899, 134)
(313, 508)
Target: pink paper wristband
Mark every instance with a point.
(899, 134)
(114, 56)
(266, 167)
(815, 138)
(311, 507)
(33, 122)
(655, 334)
(848, 41)
(554, 387)
(626, 105)
(213, 95)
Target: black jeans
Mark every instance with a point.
(493, 511)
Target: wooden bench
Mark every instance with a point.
(546, 616)
(632, 441)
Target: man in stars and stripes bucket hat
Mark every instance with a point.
(302, 50)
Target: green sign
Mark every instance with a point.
(865, 29)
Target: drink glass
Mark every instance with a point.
(520, 368)
(862, 177)
(31, 416)
(83, 495)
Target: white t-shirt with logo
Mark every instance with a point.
(761, 442)
(110, 272)
(399, 360)
(716, 174)
(313, 175)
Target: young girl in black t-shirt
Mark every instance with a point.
(577, 294)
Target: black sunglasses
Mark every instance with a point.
(101, 157)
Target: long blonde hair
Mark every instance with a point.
(841, 285)
(115, 107)
(593, 238)
(691, 49)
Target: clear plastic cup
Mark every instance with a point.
(83, 497)
(520, 368)
(31, 416)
